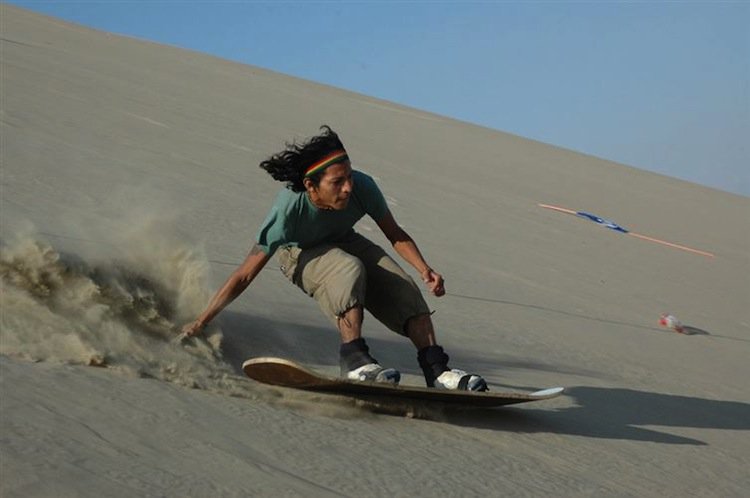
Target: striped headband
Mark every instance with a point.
(332, 158)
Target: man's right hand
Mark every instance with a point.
(233, 287)
(192, 329)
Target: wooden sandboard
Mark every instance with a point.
(286, 373)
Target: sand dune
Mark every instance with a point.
(130, 189)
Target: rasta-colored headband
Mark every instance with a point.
(332, 158)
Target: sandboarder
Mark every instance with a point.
(310, 226)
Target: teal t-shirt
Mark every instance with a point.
(295, 221)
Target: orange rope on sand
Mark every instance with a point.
(637, 235)
(557, 208)
(670, 244)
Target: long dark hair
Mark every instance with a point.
(290, 164)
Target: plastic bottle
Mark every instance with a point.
(671, 322)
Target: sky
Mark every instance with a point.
(661, 86)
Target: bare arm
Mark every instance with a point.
(237, 282)
(407, 249)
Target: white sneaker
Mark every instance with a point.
(460, 380)
(374, 373)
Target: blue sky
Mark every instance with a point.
(662, 86)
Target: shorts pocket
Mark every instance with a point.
(288, 261)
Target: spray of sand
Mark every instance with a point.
(122, 311)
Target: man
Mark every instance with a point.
(310, 225)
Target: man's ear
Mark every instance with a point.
(309, 184)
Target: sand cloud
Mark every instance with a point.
(121, 309)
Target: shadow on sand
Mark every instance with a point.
(247, 336)
(614, 413)
(688, 330)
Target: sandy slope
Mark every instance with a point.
(129, 189)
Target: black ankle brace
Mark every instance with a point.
(433, 361)
(354, 354)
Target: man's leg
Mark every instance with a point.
(421, 332)
(337, 281)
(431, 357)
(354, 354)
(395, 300)
(434, 360)
(350, 324)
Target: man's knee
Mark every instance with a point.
(346, 272)
(319, 270)
(341, 284)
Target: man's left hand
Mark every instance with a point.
(434, 282)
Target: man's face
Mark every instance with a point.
(334, 188)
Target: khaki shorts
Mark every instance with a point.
(354, 272)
